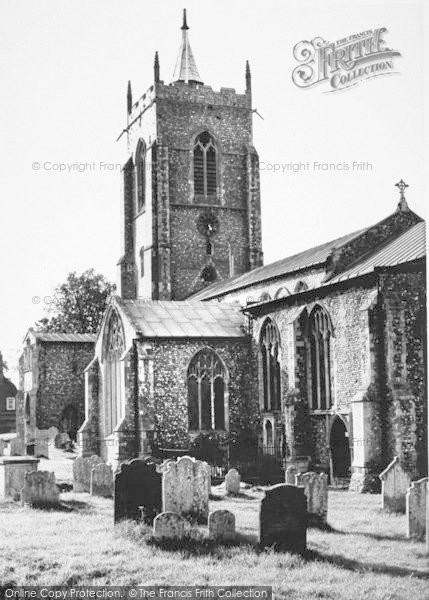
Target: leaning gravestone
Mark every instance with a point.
(316, 491)
(416, 509)
(40, 489)
(82, 467)
(394, 484)
(137, 490)
(283, 518)
(291, 473)
(185, 488)
(222, 525)
(232, 482)
(169, 526)
(101, 483)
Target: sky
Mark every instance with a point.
(64, 68)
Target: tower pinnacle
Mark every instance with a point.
(186, 68)
(156, 67)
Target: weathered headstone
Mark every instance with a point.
(316, 491)
(101, 480)
(40, 489)
(2, 447)
(232, 482)
(82, 468)
(169, 526)
(61, 440)
(394, 484)
(283, 518)
(416, 509)
(185, 488)
(291, 473)
(41, 443)
(52, 433)
(12, 472)
(222, 525)
(137, 489)
(17, 447)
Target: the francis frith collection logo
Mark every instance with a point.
(343, 63)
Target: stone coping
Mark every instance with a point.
(4, 460)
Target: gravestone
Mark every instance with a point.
(283, 518)
(40, 489)
(415, 501)
(169, 526)
(2, 447)
(61, 440)
(291, 473)
(394, 485)
(41, 443)
(137, 489)
(52, 433)
(316, 491)
(82, 468)
(186, 488)
(12, 473)
(222, 525)
(17, 447)
(232, 482)
(101, 481)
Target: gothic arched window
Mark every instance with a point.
(141, 175)
(320, 333)
(269, 348)
(206, 380)
(115, 346)
(205, 168)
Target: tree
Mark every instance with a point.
(78, 305)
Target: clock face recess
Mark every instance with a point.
(208, 224)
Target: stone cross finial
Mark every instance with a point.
(402, 186)
(402, 204)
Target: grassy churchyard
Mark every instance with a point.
(364, 555)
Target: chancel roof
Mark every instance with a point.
(184, 319)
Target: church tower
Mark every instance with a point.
(191, 198)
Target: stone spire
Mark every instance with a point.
(186, 68)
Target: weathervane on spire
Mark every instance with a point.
(185, 25)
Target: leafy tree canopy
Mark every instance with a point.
(77, 305)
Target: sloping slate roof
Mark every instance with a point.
(308, 258)
(409, 246)
(64, 337)
(172, 319)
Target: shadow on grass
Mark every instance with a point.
(196, 544)
(374, 536)
(67, 506)
(354, 565)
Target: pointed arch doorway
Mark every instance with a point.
(340, 450)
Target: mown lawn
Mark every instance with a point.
(364, 556)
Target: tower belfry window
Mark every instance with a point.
(205, 168)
